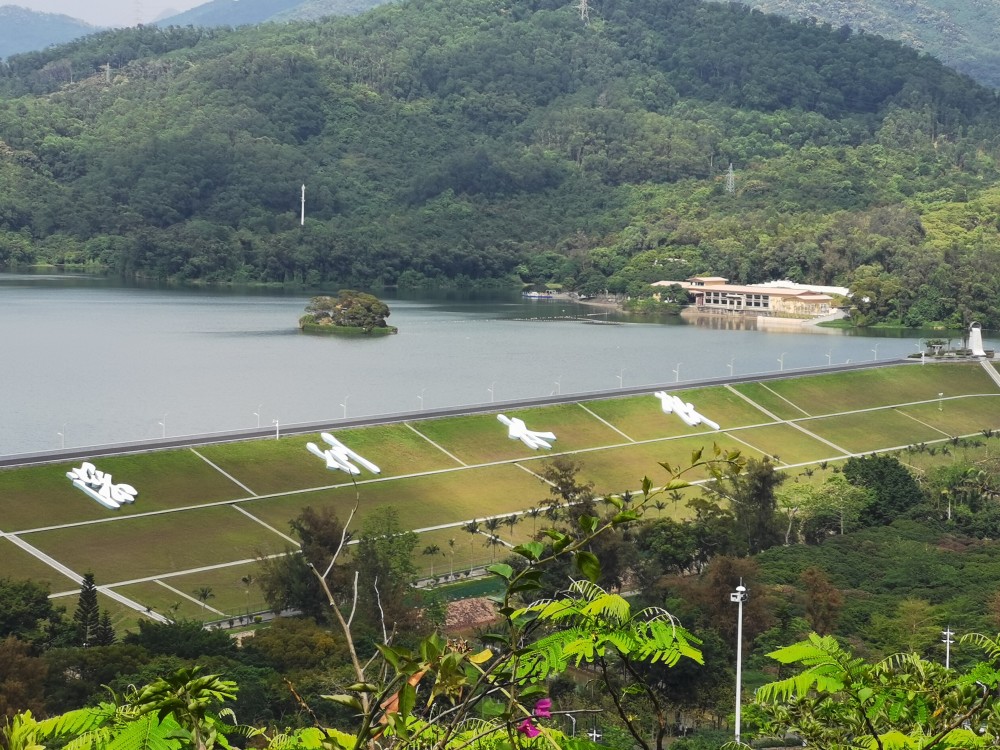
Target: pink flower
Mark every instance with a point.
(543, 709)
(528, 728)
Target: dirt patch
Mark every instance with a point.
(468, 614)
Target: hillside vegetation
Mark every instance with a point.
(962, 34)
(491, 141)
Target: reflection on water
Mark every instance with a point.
(723, 322)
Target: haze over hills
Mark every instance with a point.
(962, 33)
(464, 142)
(23, 30)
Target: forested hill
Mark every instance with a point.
(22, 30)
(479, 139)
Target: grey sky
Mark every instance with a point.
(108, 12)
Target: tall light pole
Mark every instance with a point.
(731, 361)
(277, 428)
(492, 392)
(344, 405)
(829, 358)
(163, 424)
(62, 438)
(739, 596)
(947, 641)
(677, 372)
(572, 718)
(781, 361)
(558, 386)
(875, 352)
(621, 378)
(257, 414)
(421, 397)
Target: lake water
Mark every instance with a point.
(86, 361)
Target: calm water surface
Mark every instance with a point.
(88, 362)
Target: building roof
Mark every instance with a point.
(802, 293)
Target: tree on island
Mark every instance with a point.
(348, 310)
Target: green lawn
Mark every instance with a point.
(764, 396)
(960, 416)
(16, 563)
(420, 501)
(869, 431)
(150, 545)
(271, 466)
(884, 386)
(229, 593)
(787, 444)
(39, 496)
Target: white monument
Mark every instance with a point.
(98, 485)
(976, 340)
(338, 456)
(687, 413)
(517, 430)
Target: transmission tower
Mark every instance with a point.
(584, 7)
(730, 180)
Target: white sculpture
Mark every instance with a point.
(517, 430)
(686, 411)
(339, 456)
(976, 340)
(97, 484)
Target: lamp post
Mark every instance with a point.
(277, 428)
(940, 402)
(257, 414)
(739, 596)
(947, 641)
(875, 352)
(421, 397)
(829, 358)
(677, 372)
(62, 438)
(572, 718)
(781, 362)
(492, 392)
(730, 365)
(621, 378)
(558, 385)
(344, 405)
(163, 425)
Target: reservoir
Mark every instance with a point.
(87, 361)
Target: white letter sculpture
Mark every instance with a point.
(339, 456)
(98, 485)
(685, 411)
(517, 430)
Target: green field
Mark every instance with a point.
(202, 516)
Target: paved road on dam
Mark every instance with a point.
(187, 441)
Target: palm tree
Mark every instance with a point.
(203, 594)
(493, 542)
(451, 546)
(510, 522)
(534, 513)
(473, 528)
(430, 550)
(660, 506)
(247, 582)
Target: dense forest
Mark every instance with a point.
(475, 141)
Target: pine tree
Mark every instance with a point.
(87, 615)
(104, 633)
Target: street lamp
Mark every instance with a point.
(940, 402)
(344, 405)
(492, 392)
(731, 366)
(947, 641)
(277, 428)
(677, 372)
(739, 596)
(62, 438)
(572, 718)
(781, 361)
(421, 397)
(257, 414)
(558, 385)
(875, 352)
(829, 358)
(163, 424)
(621, 378)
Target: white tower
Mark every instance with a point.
(302, 221)
(976, 340)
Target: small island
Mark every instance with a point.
(350, 312)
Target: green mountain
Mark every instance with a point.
(23, 30)
(962, 33)
(230, 13)
(471, 141)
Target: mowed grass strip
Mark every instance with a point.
(285, 465)
(18, 564)
(787, 444)
(871, 431)
(480, 439)
(160, 600)
(419, 501)
(961, 416)
(38, 496)
(619, 469)
(152, 545)
(762, 395)
(642, 417)
(884, 386)
(230, 594)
